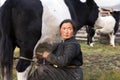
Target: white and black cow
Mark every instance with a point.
(107, 23)
(29, 24)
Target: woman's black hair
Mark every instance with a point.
(69, 21)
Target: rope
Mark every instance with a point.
(23, 58)
(34, 60)
(34, 63)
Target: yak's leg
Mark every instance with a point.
(112, 39)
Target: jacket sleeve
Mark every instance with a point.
(68, 54)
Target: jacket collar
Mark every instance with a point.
(69, 39)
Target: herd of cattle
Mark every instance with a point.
(33, 24)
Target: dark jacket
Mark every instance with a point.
(68, 53)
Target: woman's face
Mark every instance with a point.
(66, 30)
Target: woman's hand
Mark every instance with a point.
(39, 56)
(45, 54)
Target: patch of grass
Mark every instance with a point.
(103, 49)
(16, 51)
(101, 74)
(101, 62)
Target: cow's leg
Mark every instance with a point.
(112, 39)
(23, 67)
(90, 34)
(23, 75)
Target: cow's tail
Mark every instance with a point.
(6, 46)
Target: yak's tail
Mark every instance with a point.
(6, 44)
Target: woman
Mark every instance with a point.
(65, 61)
